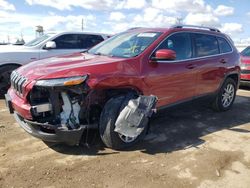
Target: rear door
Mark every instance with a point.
(173, 81)
(211, 62)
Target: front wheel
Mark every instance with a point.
(226, 95)
(108, 118)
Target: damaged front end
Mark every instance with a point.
(60, 110)
(135, 115)
(63, 109)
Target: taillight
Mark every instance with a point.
(242, 64)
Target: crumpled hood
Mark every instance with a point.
(77, 64)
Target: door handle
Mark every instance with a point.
(191, 66)
(223, 61)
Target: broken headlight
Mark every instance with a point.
(71, 81)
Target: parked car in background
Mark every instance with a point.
(245, 67)
(48, 45)
(118, 84)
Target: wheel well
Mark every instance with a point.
(96, 99)
(10, 64)
(235, 77)
(116, 92)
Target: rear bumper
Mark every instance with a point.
(57, 134)
(245, 82)
(245, 78)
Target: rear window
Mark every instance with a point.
(77, 41)
(88, 41)
(206, 45)
(224, 45)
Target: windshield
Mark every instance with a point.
(125, 44)
(246, 52)
(38, 40)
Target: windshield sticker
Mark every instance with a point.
(146, 35)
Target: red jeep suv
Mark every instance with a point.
(245, 67)
(117, 85)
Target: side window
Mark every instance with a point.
(224, 46)
(180, 43)
(205, 45)
(88, 41)
(67, 41)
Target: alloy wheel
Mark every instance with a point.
(228, 95)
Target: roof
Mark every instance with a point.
(75, 32)
(179, 28)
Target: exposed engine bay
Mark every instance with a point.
(68, 107)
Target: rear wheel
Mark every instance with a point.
(5, 73)
(225, 98)
(108, 118)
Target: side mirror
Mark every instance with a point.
(165, 54)
(50, 45)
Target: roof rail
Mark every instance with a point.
(132, 28)
(198, 27)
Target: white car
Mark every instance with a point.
(48, 45)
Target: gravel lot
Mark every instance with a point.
(190, 146)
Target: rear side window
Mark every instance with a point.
(205, 45)
(246, 52)
(224, 45)
(67, 41)
(180, 43)
(88, 41)
(77, 41)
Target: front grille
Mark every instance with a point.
(245, 71)
(17, 82)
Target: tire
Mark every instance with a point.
(108, 118)
(226, 96)
(5, 72)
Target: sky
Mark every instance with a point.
(20, 17)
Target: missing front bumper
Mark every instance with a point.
(59, 135)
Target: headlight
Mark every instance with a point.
(62, 81)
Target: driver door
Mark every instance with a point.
(173, 81)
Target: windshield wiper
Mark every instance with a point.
(98, 53)
(84, 51)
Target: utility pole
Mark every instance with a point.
(82, 25)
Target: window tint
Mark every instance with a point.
(224, 46)
(180, 43)
(246, 52)
(68, 41)
(77, 41)
(88, 41)
(205, 45)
